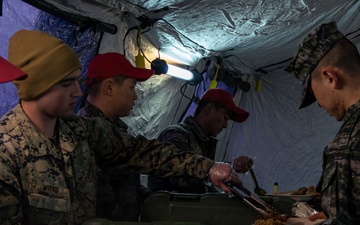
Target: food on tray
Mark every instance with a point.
(267, 222)
(274, 219)
(311, 190)
(282, 217)
(297, 195)
(300, 191)
(305, 191)
(277, 216)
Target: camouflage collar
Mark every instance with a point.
(190, 120)
(351, 110)
(92, 111)
(41, 144)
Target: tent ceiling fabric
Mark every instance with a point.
(245, 32)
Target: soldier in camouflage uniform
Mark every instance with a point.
(48, 155)
(197, 134)
(111, 81)
(328, 66)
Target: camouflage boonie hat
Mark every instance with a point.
(311, 51)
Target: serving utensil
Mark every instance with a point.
(264, 210)
(258, 190)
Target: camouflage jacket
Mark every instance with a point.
(118, 192)
(341, 172)
(188, 137)
(89, 110)
(41, 183)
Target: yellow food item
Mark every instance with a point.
(305, 191)
(268, 222)
(311, 190)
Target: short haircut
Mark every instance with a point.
(94, 88)
(343, 55)
(201, 105)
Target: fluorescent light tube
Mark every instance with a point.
(179, 72)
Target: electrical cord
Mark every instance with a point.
(177, 109)
(126, 34)
(182, 91)
(192, 100)
(142, 52)
(261, 69)
(235, 56)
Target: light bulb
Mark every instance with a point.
(180, 72)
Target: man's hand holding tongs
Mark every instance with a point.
(221, 172)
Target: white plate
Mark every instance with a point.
(287, 194)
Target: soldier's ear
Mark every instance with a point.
(107, 87)
(208, 108)
(333, 76)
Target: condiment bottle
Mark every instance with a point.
(276, 188)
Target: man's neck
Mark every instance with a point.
(43, 123)
(103, 107)
(202, 124)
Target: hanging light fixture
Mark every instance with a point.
(161, 67)
(178, 72)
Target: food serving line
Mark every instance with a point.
(270, 215)
(246, 208)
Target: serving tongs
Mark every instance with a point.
(267, 211)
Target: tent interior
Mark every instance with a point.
(244, 45)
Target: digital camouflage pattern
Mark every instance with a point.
(341, 172)
(118, 194)
(89, 110)
(188, 137)
(39, 184)
(313, 48)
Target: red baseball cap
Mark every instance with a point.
(223, 97)
(113, 64)
(9, 72)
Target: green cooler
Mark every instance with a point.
(206, 209)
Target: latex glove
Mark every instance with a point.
(316, 216)
(221, 172)
(242, 164)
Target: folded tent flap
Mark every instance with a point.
(206, 209)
